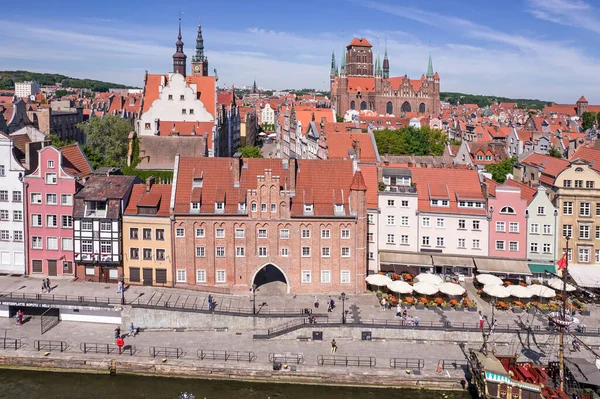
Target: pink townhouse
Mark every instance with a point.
(508, 225)
(49, 192)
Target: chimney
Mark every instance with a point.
(292, 164)
(236, 165)
(356, 147)
(149, 183)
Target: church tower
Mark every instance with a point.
(386, 64)
(179, 58)
(199, 60)
(359, 58)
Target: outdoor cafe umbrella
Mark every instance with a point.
(401, 287)
(542, 291)
(428, 278)
(262, 134)
(557, 284)
(498, 291)
(378, 279)
(451, 289)
(425, 288)
(489, 279)
(519, 291)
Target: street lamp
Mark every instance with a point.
(122, 289)
(254, 299)
(343, 298)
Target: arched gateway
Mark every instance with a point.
(273, 278)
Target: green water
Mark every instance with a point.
(17, 384)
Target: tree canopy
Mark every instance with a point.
(554, 152)
(106, 141)
(7, 82)
(499, 170)
(249, 151)
(588, 119)
(410, 140)
(484, 100)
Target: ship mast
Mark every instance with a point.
(563, 325)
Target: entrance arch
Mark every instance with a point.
(271, 275)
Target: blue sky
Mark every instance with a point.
(516, 48)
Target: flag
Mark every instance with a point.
(562, 263)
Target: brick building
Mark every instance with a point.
(239, 222)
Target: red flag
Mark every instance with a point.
(562, 263)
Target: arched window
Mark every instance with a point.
(507, 210)
(253, 206)
(363, 105)
(578, 169)
(405, 107)
(352, 105)
(389, 108)
(422, 108)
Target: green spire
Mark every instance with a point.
(378, 65)
(430, 68)
(334, 71)
(343, 64)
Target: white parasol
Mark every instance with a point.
(425, 288)
(489, 279)
(498, 291)
(542, 291)
(451, 289)
(378, 279)
(557, 284)
(401, 287)
(273, 135)
(428, 278)
(262, 134)
(519, 291)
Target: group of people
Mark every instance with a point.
(211, 303)
(19, 317)
(132, 331)
(403, 313)
(46, 285)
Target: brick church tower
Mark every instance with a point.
(359, 58)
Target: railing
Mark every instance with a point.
(405, 363)
(237, 356)
(296, 358)
(165, 352)
(88, 347)
(45, 345)
(49, 319)
(451, 363)
(47, 298)
(357, 361)
(10, 343)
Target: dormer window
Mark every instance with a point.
(444, 202)
(219, 206)
(488, 157)
(195, 206)
(308, 208)
(197, 182)
(339, 208)
(95, 209)
(242, 207)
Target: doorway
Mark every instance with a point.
(271, 280)
(147, 276)
(52, 268)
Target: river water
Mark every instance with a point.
(17, 384)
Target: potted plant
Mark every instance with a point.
(446, 306)
(471, 305)
(530, 308)
(421, 304)
(584, 311)
(396, 277)
(517, 309)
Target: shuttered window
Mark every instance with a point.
(134, 274)
(36, 266)
(161, 276)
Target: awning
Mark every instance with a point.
(584, 371)
(541, 268)
(585, 276)
(452, 261)
(401, 258)
(505, 266)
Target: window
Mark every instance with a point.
(507, 210)
(50, 178)
(4, 235)
(597, 232)
(567, 230)
(36, 243)
(195, 207)
(253, 207)
(513, 227)
(598, 256)
(475, 224)
(240, 252)
(220, 252)
(390, 202)
(345, 252)
(578, 183)
(201, 276)
(262, 233)
(160, 234)
(390, 220)
(370, 219)
(133, 233)
(221, 276)
(440, 223)
(584, 232)
(547, 248)
(4, 196)
(541, 210)
(404, 221)
(345, 277)
(179, 232)
(284, 252)
(219, 206)
(404, 203)
(391, 239)
(17, 197)
(404, 239)
(263, 207)
(476, 244)
(371, 255)
(273, 207)
(325, 276)
(181, 97)
(425, 240)
(462, 224)
(239, 233)
(325, 233)
(439, 241)
(567, 183)
(107, 226)
(18, 236)
(183, 111)
(191, 111)
(4, 214)
(52, 243)
(500, 226)
(499, 245)
(306, 276)
(106, 248)
(51, 221)
(86, 225)
(2, 170)
(134, 253)
(370, 237)
(567, 208)
(220, 233)
(36, 198)
(533, 247)
(425, 222)
(345, 234)
(170, 97)
(160, 254)
(200, 252)
(461, 243)
(147, 253)
(51, 199)
(513, 246)
(305, 233)
(305, 252)
(87, 247)
(67, 221)
(181, 276)
(534, 228)
(585, 209)
(584, 255)
(325, 252)
(547, 229)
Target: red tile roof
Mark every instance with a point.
(74, 161)
(551, 166)
(166, 128)
(159, 196)
(363, 85)
(205, 88)
(369, 173)
(359, 42)
(589, 154)
(338, 145)
(582, 100)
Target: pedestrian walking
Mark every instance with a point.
(211, 303)
(316, 302)
(48, 287)
(44, 286)
(333, 346)
(404, 313)
(120, 287)
(382, 304)
(481, 320)
(329, 305)
(131, 330)
(398, 310)
(118, 332)
(416, 321)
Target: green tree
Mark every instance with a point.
(339, 119)
(554, 152)
(106, 141)
(409, 140)
(60, 93)
(58, 142)
(588, 119)
(249, 151)
(499, 170)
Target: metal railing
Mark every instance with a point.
(237, 356)
(89, 347)
(165, 352)
(296, 358)
(10, 343)
(357, 361)
(406, 363)
(453, 363)
(45, 345)
(52, 298)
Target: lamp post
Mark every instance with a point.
(122, 289)
(343, 298)
(254, 299)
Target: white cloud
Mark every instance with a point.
(573, 13)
